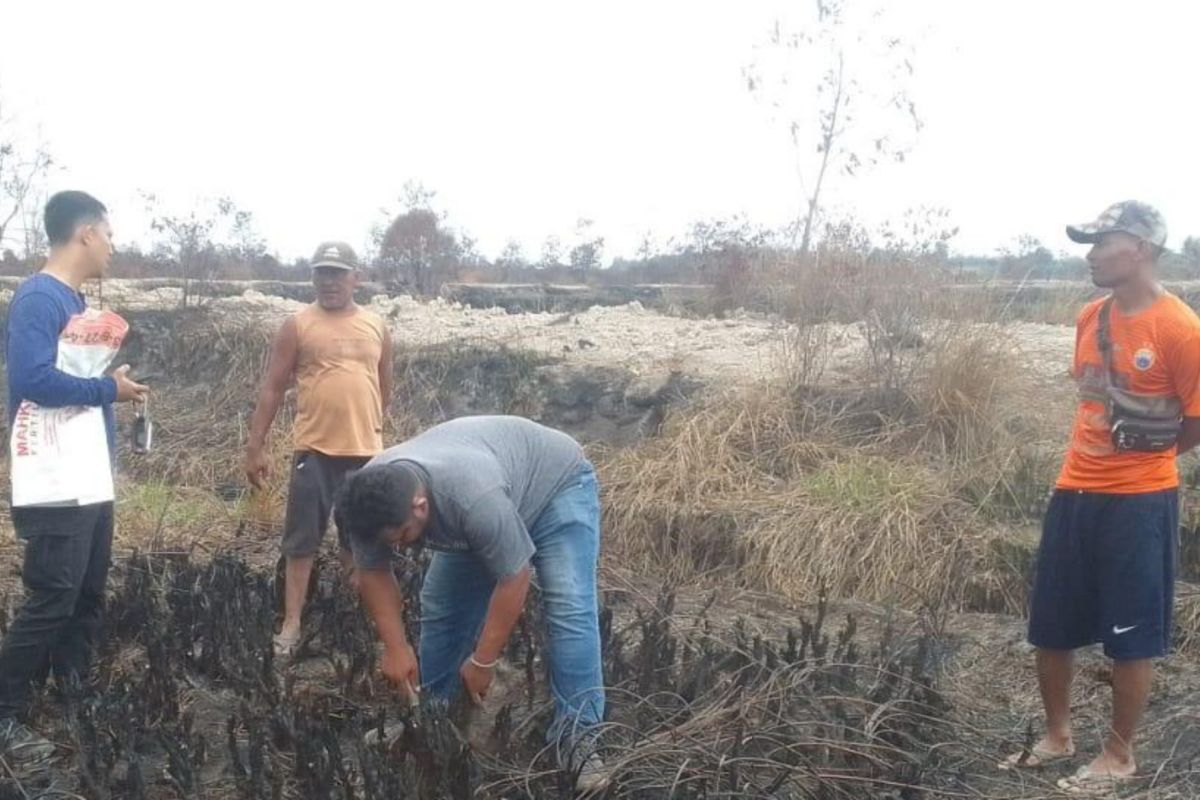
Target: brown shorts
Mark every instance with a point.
(314, 481)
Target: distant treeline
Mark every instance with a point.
(418, 252)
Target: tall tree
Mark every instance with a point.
(512, 259)
(417, 247)
(839, 83)
(197, 240)
(585, 255)
(551, 256)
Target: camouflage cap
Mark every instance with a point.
(1132, 217)
(335, 254)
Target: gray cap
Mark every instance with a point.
(1132, 217)
(335, 254)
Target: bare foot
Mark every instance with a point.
(1047, 751)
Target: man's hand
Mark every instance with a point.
(399, 666)
(476, 680)
(258, 467)
(127, 389)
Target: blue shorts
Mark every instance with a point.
(1106, 573)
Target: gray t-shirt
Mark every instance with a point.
(489, 479)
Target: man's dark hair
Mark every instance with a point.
(66, 211)
(374, 498)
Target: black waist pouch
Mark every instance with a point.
(1131, 433)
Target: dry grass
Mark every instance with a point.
(676, 502)
(1187, 620)
(869, 528)
(209, 366)
(1055, 304)
(154, 516)
(717, 496)
(888, 494)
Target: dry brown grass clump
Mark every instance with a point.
(889, 493)
(189, 491)
(156, 517)
(723, 493)
(1187, 620)
(208, 367)
(677, 502)
(882, 531)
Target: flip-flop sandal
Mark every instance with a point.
(1086, 782)
(285, 646)
(1034, 759)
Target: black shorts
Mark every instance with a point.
(1106, 573)
(315, 479)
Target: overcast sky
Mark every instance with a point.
(525, 116)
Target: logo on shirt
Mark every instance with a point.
(1143, 359)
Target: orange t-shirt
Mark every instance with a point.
(1155, 352)
(338, 405)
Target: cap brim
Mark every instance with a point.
(1081, 236)
(334, 264)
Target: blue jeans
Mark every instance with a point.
(457, 588)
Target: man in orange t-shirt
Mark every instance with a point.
(340, 357)
(1105, 566)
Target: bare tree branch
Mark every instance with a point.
(857, 113)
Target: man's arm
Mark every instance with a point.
(1189, 437)
(504, 609)
(386, 366)
(497, 536)
(33, 369)
(280, 368)
(385, 604)
(1183, 361)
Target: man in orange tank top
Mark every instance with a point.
(340, 357)
(1105, 565)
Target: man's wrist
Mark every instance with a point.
(483, 663)
(487, 651)
(396, 643)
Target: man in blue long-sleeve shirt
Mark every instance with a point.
(61, 426)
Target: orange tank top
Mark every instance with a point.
(338, 404)
(1156, 354)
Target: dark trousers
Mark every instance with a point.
(67, 553)
(1106, 573)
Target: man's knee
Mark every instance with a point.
(89, 602)
(570, 613)
(50, 606)
(568, 593)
